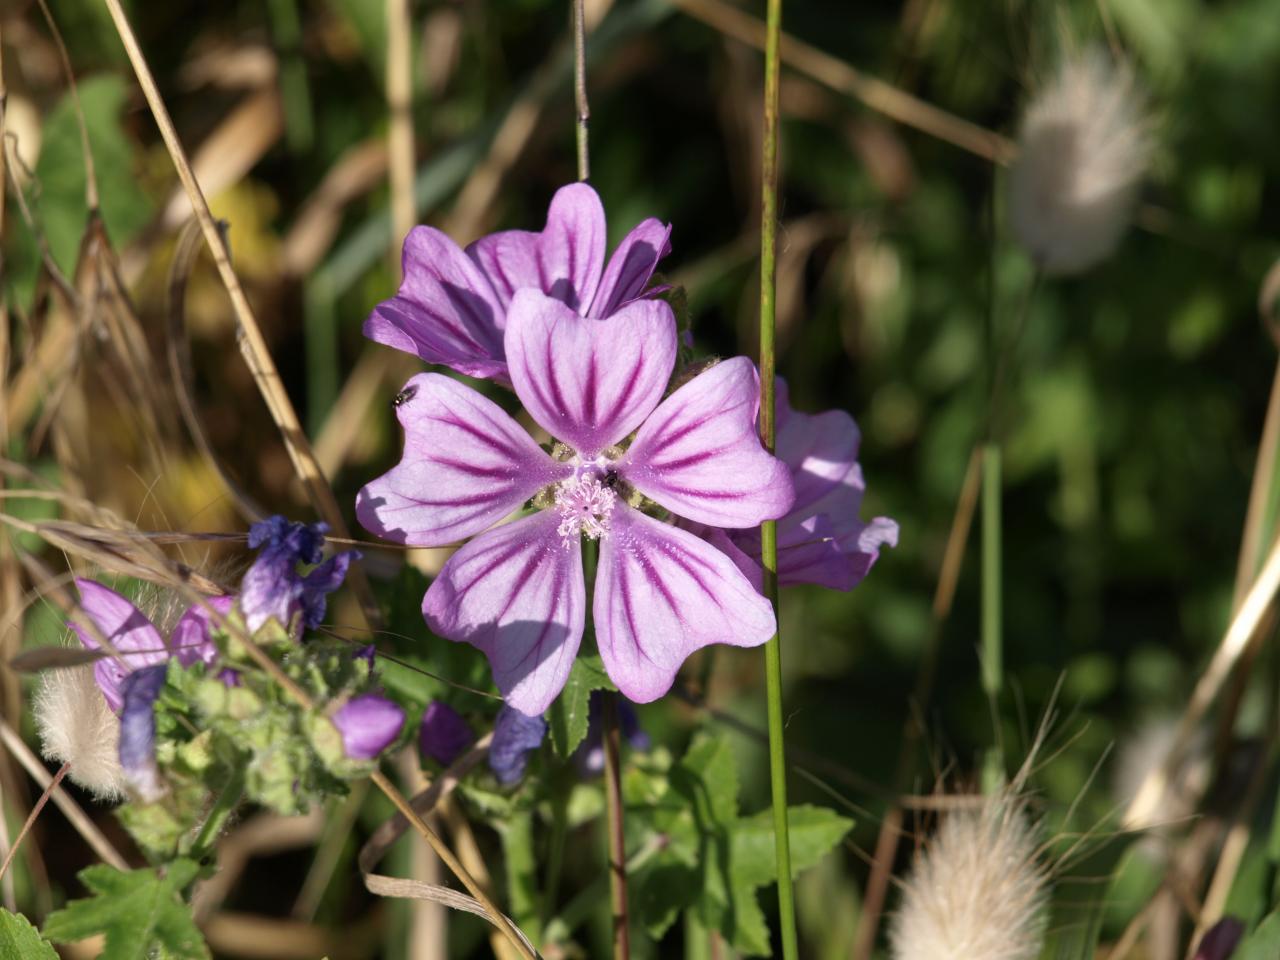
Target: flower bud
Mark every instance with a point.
(1221, 940)
(141, 688)
(515, 736)
(368, 724)
(443, 734)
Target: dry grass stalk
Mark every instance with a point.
(253, 345)
(400, 131)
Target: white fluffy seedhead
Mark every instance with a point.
(77, 727)
(1141, 754)
(1083, 149)
(976, 890)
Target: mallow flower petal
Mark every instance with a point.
(128, 631)
(190, 638)
(510, 260)
(517, 594)
(589, 382)
(571, 248)
(631, 266)
(445, 312)
(821, 450)
(660, 594)
(466, 465)
(699, 455)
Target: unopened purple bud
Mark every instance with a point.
(1221, 940)
(369, 724)
(444, 734)
(140, 690)
(515, 736)
(368, 652)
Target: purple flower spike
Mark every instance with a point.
(1221, 940)
(517, 592)
(822, 539)
(272, 588)
(444, 734)
(369, 724)
(452, 306)
(136, 638)
(140, 690)
(515, 736)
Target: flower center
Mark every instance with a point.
(585, 502)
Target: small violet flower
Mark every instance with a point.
(822, 538)
(273, 588)
(136, 638)
(444, 734)
(517, 591)
(452, 306)
(515, 736)
(589, 756)
(137, 748)
(368, 724)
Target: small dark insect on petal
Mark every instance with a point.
(611, 479)
(404, 396)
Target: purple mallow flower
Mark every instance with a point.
(136, 638)
(137, 748)
(369, 724)
(273, 588)
(452, 307)
(443, 734)
(515, 736)
(589, 756)
(517, 592)
(822, 538)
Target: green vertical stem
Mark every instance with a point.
(320, 345)
(522, 873)
(992, 646)
(580, 87)
(294, 92)
(769, 529)
(617, 833)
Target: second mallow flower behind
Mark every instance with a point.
(517, 592)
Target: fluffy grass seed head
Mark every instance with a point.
(1083, 149)
(77, 727)
(977, 889)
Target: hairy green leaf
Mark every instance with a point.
(20, 941)
(139, 911)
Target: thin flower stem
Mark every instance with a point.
(617, 835)
(769, 529)
(580, 87)
(223, 807)
(32, 816)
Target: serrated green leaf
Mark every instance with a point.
(709, 776)
(666, 887)
(1263, 943)
(139, 911)
(569, 715)
(19, 940)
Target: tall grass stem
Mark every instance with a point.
(768, 434)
